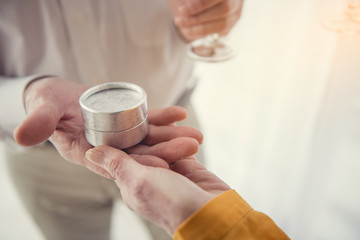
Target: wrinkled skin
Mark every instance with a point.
(53, 112)
(166, 196)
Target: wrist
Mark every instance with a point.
(187, 209)
(33, 82)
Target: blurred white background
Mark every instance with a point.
(281, 123)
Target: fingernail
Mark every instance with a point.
(95, 155)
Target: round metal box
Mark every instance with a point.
(114, 114)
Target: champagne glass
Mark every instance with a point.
(212, 48)
(348, 22)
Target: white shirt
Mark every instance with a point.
(90, 42)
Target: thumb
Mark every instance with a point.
(39, 125)
(114, 161)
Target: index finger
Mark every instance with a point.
(170, 151)
(166, 116)
(158, 134)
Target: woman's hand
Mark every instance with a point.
(166, 196)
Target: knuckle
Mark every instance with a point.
(115, 167)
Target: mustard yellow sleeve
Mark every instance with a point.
(228, 216)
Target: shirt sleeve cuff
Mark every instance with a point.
(215, 218)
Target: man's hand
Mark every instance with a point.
(164, 196)
(199, 18)
(53, 109)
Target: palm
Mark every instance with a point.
(69, 139)
(54, 113)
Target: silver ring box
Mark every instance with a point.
(114, 114)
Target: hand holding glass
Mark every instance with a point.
(348, 22)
